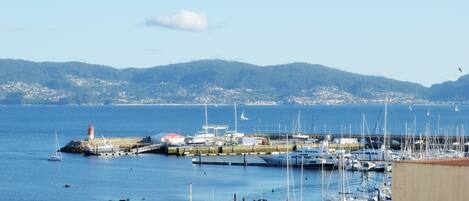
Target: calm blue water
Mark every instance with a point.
(26, 134)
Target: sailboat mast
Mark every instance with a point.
(56, 141)
(362, 131)
(385, 122)
(236, 118)
(288, 169)
(302, 174)
(299, 121)
(206, 120)
(190, 192)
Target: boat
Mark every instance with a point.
(456, 108)
(234, 134)
(373, 154)
(57, 154)
(382, 166)
(367, 165)
(313, 158)
(100, 148)
(354, 165)
(202, 137)
(243, 117)
(297, 134)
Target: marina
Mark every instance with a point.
(234, 161)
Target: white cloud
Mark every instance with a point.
(183, 20)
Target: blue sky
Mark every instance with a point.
(419, 41)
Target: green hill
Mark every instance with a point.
(213, 81)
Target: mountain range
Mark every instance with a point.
(209, 81)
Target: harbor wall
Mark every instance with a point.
(245, 149)
(429, 182)
(78, 146)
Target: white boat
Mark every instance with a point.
(300, 136)
(201, 138)
(313, 158)
(243, 117)
(57, 154)
(373, 154)
(367, 165)
(456, 108)
(209, 134)
(297, 133)
(100, 148)
(234, 134)
(354, 165)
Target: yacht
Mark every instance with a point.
(201, 138)
(321, 157)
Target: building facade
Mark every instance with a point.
(432, 180)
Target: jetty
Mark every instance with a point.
(250, 144)
(239, 160)
(138, 145)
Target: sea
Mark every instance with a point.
(27, 138)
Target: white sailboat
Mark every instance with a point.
(297, 133)
(243, 117)
(57, 154)
(456, 108)
(235, 133)
(204, 136)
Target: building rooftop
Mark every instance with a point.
(449, 162)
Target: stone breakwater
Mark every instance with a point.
(78, 146)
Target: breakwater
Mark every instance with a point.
(123, 143)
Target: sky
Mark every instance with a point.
(417, 41)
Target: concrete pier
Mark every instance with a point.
(123, 143)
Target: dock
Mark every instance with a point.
(275, 144)
(245, 149)
(240, 160)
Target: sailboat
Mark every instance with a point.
(297, 132)
(456, 108)
(243, 117)
(203, 137)
(57, 154)
(235, 133)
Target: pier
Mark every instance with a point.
(276, 143)
(240, 160)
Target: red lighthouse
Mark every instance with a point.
(90, 132)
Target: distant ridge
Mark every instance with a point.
(211, 81)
